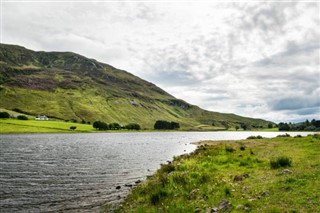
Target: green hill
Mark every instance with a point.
(69, 86)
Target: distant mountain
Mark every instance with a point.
(69, 86)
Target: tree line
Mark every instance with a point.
(161, 124)
(313, 125)
(7, 115)
(100, 125)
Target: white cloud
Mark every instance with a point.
(253, 59)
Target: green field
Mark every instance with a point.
(238, 172)
(33, 126)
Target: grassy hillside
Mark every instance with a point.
(235, 176)
(69, 86)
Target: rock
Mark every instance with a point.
(118, 187)
(239, 207)
(212, 209)
(194, 193)
(224, 205)
(265, 194)
(128, 185)
(286, 172)
(245, 175)
(138, 181)
(237, 178)
(240, 177)
(198, 210)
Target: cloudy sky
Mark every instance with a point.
(256, 59)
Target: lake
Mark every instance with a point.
(80, 172)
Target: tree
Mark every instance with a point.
(270, 125)
(175, 125)
(114, 126)
(99, 125)
(161, 124)
(225, 124)
(132, 126)
(237, 127)
(284, 126)
(245, 126)
(22, 117)
(4, 115)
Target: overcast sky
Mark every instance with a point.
(256, 59)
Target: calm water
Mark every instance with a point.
(80, 172)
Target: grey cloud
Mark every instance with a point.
(314, 111)
(295, 103)
(294, 54)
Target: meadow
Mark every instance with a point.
(281, 174)
(33, 126)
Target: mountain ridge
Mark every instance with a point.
(68, 86)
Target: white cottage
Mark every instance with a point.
(41, 118)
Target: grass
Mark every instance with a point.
(32, 126)
(279, 162)
(199, 181)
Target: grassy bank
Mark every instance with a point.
(238, 172)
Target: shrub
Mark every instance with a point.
(283, 136)
(4, 115)
(255, 137)
(155, 197)
(229, 149)
(282, 161)
(227, 191)
(22, 117)
(242, 147)
(167, 168)
(73, 127)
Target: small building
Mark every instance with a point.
(41, 118)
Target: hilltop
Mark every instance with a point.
(68, 86)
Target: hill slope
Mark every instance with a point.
(69, 86)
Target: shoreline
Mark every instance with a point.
(236, 172)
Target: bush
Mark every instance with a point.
(282, 161)
(22, 117)
(73, 127)
(284, 136)
(255, 137)
(4, 115)
(157, 196)
(229, 149)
